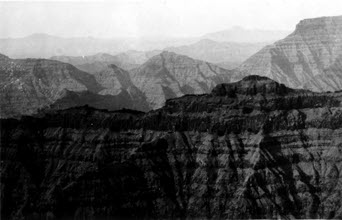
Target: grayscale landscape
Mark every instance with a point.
(171, 109)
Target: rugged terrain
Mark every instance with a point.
(250, 149)
(170, 75)
(309, 58)
(28, 85)
(32, 84)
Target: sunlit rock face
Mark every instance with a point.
(250, 149)
(309, 58)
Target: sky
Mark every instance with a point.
(155, 18)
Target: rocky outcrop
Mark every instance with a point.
(309, 58)
(250, 149)
(169, 75)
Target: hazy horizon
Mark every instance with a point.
(152, 37)
(156, 18)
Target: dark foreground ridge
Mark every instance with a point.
(250, 149)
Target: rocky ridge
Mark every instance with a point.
(250, 149)
(31, 84)
(170, 75)
(309, 58)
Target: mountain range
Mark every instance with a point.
(127, 60)
(41, 45)
(309, 58)
(167, 134)
(29, 85)
(228, 55)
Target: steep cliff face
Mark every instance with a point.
(169, 75)
(250, 149)
(309, 58)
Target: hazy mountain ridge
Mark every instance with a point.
(163, 75)
(310, 57)
(242, 35)
(137, 57)
(170, 75)
(229, 53)
(31, 84)
(45, 45)
(96, 62)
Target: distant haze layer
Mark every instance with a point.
(45, 46)
(158, 18)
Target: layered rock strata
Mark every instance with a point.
(250, 149)
(309, 58)
(170, 75)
